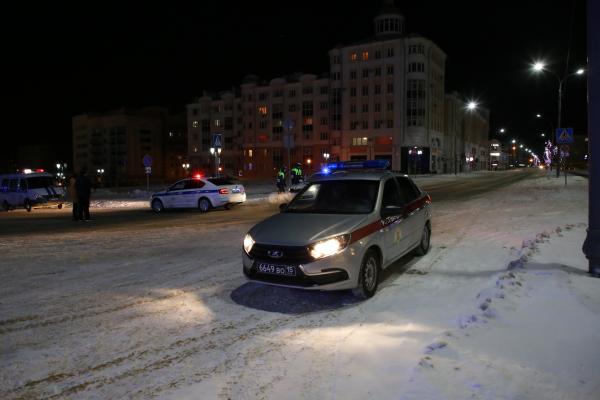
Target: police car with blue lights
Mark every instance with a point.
(199, 192)
(350, 221)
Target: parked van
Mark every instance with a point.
(29, 190)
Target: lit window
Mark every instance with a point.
(217, 122)
(353, 57)
(250, 153)
(195, 124)
(263, 110)
(365, 55)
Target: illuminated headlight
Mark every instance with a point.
(248, 243)
(329, 247)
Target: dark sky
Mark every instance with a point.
(66, 59)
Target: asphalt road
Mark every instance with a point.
(20, 222)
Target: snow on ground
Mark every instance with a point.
(501, 308)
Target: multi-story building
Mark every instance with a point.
(115, 142)
(391, 88)
(382, 99)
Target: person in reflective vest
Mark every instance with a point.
(296, 174)
(281, 180)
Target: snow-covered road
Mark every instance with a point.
(167, 313)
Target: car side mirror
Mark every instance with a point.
(283, 207)
(391, 211)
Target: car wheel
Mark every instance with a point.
(5, 205)
(423, 247)
(60, 206)
(204, 205)
(157, 206)
(27, 205)
(368, 278)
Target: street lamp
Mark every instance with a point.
(100, 172)
(216, 152)
(540, 66)
(185, 166)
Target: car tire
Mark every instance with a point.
(60, 206)
(425, 243)
(5, 205)
(204, 205)
(27, 205)
(368, 278)
(157, 206)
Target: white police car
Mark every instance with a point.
(199, 192)
(30, 189)
(341, 230)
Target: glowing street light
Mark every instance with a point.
(472, 105)
(513, 141)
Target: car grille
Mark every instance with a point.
(290, 254)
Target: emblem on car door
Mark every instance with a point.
(275, 253)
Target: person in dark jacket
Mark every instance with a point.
(73, 196)
(83, 186)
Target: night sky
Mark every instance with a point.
(62, 60)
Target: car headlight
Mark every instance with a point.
(329, 247)
(248, 243)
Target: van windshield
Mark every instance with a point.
(39, 182)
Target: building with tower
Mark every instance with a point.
(383, 98)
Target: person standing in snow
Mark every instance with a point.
(83, 186)
(72, 190)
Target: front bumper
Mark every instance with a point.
(336, 272)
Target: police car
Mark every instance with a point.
(349, 223)
(30, 189)
(199, 192)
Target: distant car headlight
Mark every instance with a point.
(248, 243)
(329, 247)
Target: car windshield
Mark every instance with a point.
(336, 197)
(221, 181)
(39, 182)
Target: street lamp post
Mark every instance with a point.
(186, 166)
(100, 172)
(540, 66)
(216, 152)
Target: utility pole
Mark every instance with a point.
(591, 246)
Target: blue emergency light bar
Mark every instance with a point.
(363, 164)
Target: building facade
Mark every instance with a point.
(115, 143)
(383, 98)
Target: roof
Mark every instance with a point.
(369, 175)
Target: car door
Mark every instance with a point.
(192, 192)
(415, 211)
(174, 197)
(395, 230)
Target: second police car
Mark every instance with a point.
(349, 223)
(199, 192)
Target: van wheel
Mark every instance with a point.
(60, 206)
(204, 205)
(27, 205)
(5, 205)
(368, 278)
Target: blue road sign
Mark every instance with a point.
(217, 140)
(147, 160)
(564, 135)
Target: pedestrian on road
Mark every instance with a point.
(83, 186)
(71, 189)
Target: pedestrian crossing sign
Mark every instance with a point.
(217, 140)
(564, 135)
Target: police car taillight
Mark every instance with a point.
(224, 191)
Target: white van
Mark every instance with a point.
(29, 190)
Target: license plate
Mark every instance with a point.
(272, 269)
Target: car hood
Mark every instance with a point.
(297, 229)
